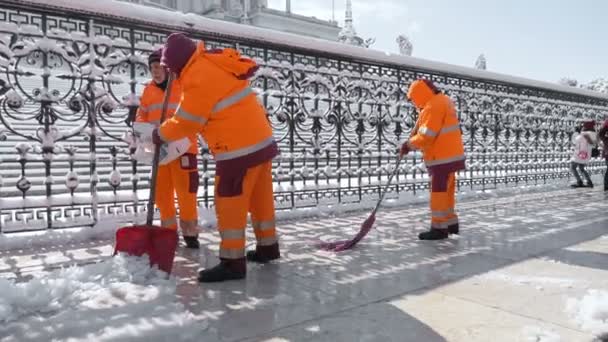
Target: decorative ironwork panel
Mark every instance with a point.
(70, 86)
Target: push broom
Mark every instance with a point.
(367, 225)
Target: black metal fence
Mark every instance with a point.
(69, 79)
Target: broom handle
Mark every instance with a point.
(155, 161)
(388, 184)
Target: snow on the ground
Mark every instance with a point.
(118, 299)
(591, 311)
(206, 217)
(537, 334)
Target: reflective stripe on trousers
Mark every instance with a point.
(257, 198)
(443, 204)
(444, 224)
(233, 242)
(235, 253)
(265, 232)
(189, 227)
(442, 213)
(170, 222)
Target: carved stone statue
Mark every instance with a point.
(405, 45)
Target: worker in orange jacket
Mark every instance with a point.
(180, 175)
(218, 102)
(438, 136)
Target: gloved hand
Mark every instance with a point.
(144, 152)
(173, 150)
(143, 131)
(405, 149)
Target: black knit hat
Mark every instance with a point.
(155, 57)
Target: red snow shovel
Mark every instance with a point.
(340, 246)
(157, 242)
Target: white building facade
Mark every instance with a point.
(255, 13)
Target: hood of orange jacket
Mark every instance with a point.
(420, 93)
(231, 61)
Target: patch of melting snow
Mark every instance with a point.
(313, 329)
(121, 298)
(252, 302)
(537, 334)
(591, 311)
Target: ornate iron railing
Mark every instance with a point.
(70, 79)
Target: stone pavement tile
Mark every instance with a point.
(390, 261)
(265, 301)
(383, 269)
(527, 228)
(459, 320)
(307, 283)
(379, 322)
(428, 317)
(516, 242)
(593, 253)
(536, 288)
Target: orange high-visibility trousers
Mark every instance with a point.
(179, 176)
(257, 198)
(443, 201)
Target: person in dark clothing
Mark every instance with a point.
(603, 137)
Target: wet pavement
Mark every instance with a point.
(513, 268)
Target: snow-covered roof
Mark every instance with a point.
(189, 22)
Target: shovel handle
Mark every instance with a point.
(388, 184)
(155, 161)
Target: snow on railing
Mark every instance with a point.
(72, 72)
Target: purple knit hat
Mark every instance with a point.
(589, 124)
(177, 51)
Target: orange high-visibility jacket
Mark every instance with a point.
(151, 104)
(218, 102)
(438, 132)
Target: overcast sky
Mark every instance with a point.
(539, 39)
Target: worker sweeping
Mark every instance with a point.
(218, 102)
(178, 172)
(439, 137)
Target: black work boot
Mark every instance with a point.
(454, 229)
(192, 242)
(577, 185)
(227, 269)
(434, 234)
(264, 254)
